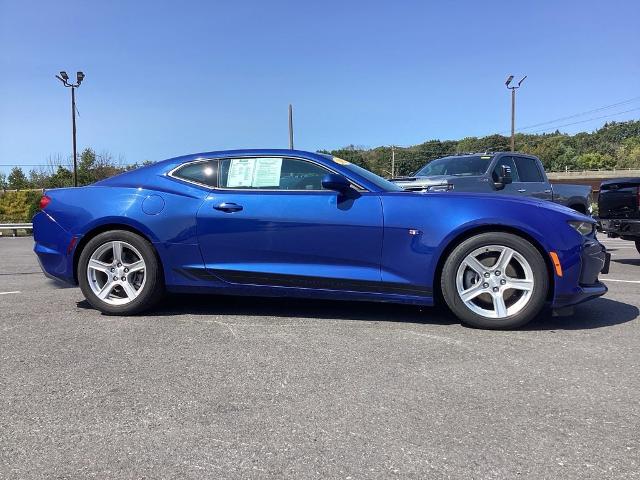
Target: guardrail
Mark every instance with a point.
(14, 227)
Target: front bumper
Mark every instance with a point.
(594, 260)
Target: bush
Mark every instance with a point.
(19, 206)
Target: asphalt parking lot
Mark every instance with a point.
(212, 387)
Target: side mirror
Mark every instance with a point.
(504, 178)
(338, 183)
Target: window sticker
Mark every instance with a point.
(241, 172)
(340, 161)
(267, 172)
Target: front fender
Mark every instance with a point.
(420, 229)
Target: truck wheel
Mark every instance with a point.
(495, 280)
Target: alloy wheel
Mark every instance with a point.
(116, 272)
(495, 281)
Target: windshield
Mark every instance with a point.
(467, 165)
(370, 176)
(379, 182)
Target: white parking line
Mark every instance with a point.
(9, 293)
(623, 281)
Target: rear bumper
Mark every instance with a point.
(628, 229)
(52, 248)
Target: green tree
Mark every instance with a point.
(17, 180)
(86, 167)
(62, 177)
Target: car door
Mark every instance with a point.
(513, 188)
(270, 222)
(532, 180)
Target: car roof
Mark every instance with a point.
(247, 152)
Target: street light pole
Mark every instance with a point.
(513, 108)
(290, 127)
(393, 161)
(64, 78)
(73, 124)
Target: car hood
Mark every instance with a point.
(494, 197)
(412, 182)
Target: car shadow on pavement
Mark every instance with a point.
(283, 307)
(627, 261)
(598, 313)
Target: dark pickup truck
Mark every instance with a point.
(506, 173)
(619, 208)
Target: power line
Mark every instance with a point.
(599, 109)
(587, 120)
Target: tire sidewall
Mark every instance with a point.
(153, 280)
(522, 246)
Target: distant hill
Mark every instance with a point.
(615, 145)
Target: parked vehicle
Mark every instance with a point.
(298, 224)
(619, 208)
(504, 172)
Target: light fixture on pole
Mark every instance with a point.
(513, 89)
(64, 78)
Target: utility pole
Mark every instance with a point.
(290, 127)
(64, 78)
(393, 161)
(513, 108)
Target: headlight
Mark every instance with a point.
(439, 188)
(585, 228)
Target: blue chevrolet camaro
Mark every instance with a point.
(298, 224)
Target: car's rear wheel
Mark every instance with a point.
(119, 273)
(495, 280)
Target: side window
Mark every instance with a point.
(205, 172)
(508, 162)
(271, 173)
(528, 169)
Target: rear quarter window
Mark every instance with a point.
(205, 173)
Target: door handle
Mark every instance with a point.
(547, 191)
(228, 207)
(522, 190)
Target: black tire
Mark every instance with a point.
(638, 245)
(153, 288)
(467, 316)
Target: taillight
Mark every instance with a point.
(44, 201)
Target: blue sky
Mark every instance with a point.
(169, 78)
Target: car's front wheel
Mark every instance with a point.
(495, 280)
(119, 273)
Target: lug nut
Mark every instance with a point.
(126, 270)
(119, 264)
(486, 274)
(115, 277)
(113, 270)
(123, 279)
(485, 285)
(503, 282)
(497, 272)
(495, 289)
